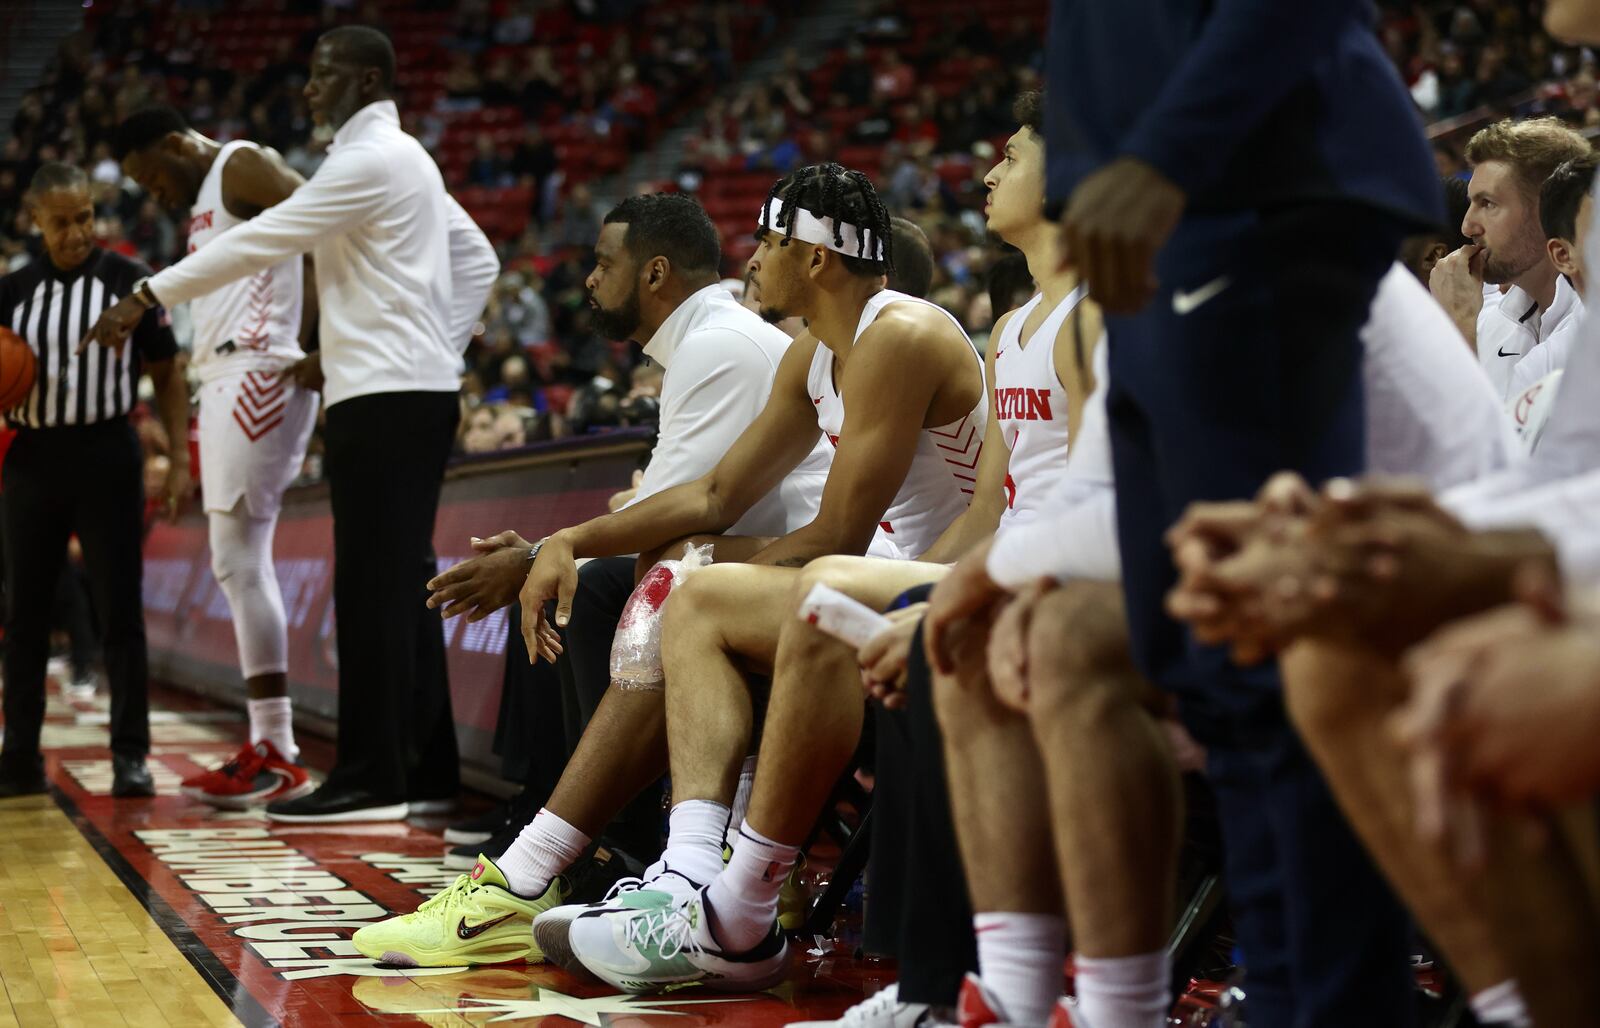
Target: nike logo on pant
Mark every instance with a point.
(1189, 301)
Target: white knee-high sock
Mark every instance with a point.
(743, 901)
(1502, 1004)
(1020, 958)
(1123, 992)
(544, 849)
(694, 840)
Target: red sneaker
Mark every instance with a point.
(976, 1006)
(1061, 1015)
(255, 775)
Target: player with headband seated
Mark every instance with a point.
(1040, 379)
(918, 412)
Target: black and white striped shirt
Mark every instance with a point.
(53, 310)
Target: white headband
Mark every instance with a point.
(809, 228)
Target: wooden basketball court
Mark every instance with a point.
(165, 912)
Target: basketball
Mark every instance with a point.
(17, 365)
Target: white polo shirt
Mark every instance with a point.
(402, 271)
(719, 362)
(1515, 330)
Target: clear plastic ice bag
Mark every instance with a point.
(636, 648)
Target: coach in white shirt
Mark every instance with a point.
(402, 273)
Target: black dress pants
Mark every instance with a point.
(88, 480)
(385, 462)
(604, 586)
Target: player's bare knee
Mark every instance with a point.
(1080, 627)
(1078, 654)
(834, 571)
(691, 607)
(964, 701)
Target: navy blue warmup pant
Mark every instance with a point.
(1248, 362)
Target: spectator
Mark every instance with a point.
(521, 308)
(579, 221)
(893, 79)
(488, 169)
(534, 159)
(541, 82)
(499, 85)
(852, 84)
(462, 83)
(875, 126)
(516, 27)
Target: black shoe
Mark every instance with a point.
(130, 778)
(593, 874)
(424, 806)
(463, 857)
(22, 776)
(478, 829)
(337, 803)
(521, 811)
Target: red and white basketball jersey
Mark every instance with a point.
(253, 323)
(1031, 403)
(938, 486)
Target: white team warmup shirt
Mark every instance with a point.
(1430, 412)
(720, 360)
(1514, 330)
(250, 323)
(1031, 405)
(943, 473)
(254, 423)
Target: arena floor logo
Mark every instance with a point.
(280, 903)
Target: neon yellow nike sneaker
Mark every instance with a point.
(794, 899)
(478, 920)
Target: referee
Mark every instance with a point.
(75, 467)
(402, 275)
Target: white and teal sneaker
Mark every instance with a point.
(648, 949)
(550, 929)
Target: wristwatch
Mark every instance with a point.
(533, 551)
(143, 293)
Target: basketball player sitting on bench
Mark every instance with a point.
(726, 619)
(919, 370)
(748, 619)
(1061, 721)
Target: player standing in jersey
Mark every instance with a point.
(255, 421)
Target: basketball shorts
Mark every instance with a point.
(254, 428)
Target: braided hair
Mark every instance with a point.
(832, 191)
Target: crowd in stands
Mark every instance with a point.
(525, 101)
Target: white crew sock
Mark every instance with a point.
(741, 799)
(544, 848)
(1502, 1003)
(272, 719)
(1020, 958)
(695, 831)
(1123, 992)
(744, 898)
